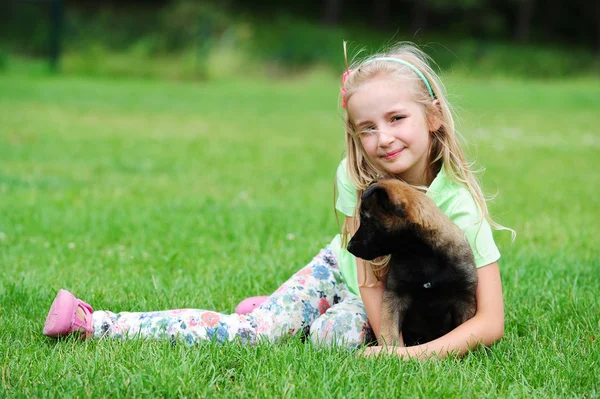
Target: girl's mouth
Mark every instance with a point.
(392, 154)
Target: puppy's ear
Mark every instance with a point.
(377, 197)
(373, 188)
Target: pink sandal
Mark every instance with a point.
(62, 319)
(249, 304)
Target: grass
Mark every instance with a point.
(144, 195)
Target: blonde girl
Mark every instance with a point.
(399, 124)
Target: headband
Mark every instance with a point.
(398, 60)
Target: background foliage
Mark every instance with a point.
(189, 39)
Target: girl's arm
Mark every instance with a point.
(486, 327)
(372, 293)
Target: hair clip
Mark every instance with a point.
(343, 89)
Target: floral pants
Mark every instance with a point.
(315, 301)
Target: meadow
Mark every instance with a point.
(146, 194)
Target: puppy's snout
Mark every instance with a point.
(351, 246)
(354, 247)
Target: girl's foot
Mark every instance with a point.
(68, 315)
(249, 304)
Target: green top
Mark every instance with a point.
(451, 197)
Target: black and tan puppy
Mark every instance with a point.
(432, 277)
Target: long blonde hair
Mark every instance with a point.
(445, 148)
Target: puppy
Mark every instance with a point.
(432, 277)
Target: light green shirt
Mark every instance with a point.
(454, 199)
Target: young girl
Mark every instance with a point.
(398, 124)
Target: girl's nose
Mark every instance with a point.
(385, 139)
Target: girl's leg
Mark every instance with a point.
(344, 324)
(292, 308)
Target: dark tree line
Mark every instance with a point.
(568, 22)
(564, 21)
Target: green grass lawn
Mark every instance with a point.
(147, 195)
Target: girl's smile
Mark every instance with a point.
(392, 154)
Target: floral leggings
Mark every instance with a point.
(315, 301)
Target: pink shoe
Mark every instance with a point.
(62, 319)
(249, 304)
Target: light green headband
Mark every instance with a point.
(411, 66)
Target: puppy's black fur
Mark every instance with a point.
(432, 278)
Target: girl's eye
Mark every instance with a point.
(368, 129)
(397, 118)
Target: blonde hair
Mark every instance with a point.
(444, 149)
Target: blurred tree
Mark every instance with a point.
(57, 15)
(465, 15)
(597, 18)
(419, 15)
(381, 10)
(333, 10)
(523, 25)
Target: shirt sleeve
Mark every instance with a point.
(346, 200)
(466, 216)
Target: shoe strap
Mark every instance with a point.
(87, 325)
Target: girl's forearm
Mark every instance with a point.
(478, 330)
(371, 297)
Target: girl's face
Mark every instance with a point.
(393, 128)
